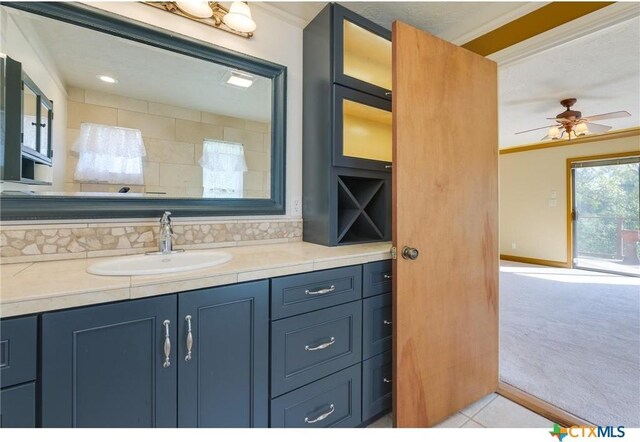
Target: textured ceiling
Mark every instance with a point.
(449, 20)
(601, 70)
(143, 72)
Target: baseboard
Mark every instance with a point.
(540, 262)
(539, 406)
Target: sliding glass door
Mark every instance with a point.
(606, 215)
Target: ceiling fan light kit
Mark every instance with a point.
(571, 124)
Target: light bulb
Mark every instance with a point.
(581, 129)
(239, 18)
(554, 133)
(197, 9)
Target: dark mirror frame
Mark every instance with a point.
(34, 207)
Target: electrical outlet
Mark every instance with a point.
(553, 202)
(513, 246)
(554, 194)
(297, 207)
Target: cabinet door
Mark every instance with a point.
(18, 406)
(362, 51)
(362, 130)
(105, 366)
(224, 383)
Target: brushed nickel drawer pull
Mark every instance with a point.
(388, 166)
(387, 276)
(321, 346)
(322, 417)
(167, 344)
(385, 322)
(321, 291)
(386, 381)
(189, 338)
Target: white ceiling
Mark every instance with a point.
(143, 72)
(601, 70)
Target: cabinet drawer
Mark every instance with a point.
(293, 295)
(376, 330)
(376, 278)
(330, 402)
(310, 346)
(376, 385)
(18, 406)
(18, 350)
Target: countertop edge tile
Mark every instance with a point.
(274, 272)
(48, 304)
(165, 288)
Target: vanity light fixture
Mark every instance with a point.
(107, 79)
(236, 20)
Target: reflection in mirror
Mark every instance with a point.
(30, 108)
(133, 120)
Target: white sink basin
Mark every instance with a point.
(157, 264)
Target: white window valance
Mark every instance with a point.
(223, 167)
(109, 154)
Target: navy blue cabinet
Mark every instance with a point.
(105, 366)
(223, 380)
(197, 359)
(18, 371)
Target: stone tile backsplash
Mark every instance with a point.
(30, 243)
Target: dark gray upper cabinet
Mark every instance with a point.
(361, 53)
(347, 129)
(224, 381)
(105, 366)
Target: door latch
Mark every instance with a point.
(394, 253)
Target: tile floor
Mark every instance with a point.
(492, 411)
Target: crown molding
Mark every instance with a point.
(459, 39)
(588, 24)
(614, 134)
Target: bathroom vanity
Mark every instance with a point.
(307, 349)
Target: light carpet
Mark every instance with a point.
(572, 338)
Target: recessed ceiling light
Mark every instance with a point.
(238, 79)
(107, 79)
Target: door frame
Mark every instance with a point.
(570, 197)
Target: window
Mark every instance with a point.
(109, 154)
(223, 168)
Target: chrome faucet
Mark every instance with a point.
(166, 235)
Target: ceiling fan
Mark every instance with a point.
(571, 124)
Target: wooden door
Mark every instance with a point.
(104, 366)
(445, 205)
(224, 382)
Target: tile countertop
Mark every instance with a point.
(45, 286)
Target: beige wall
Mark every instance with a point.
(173, 139)
(528, 217)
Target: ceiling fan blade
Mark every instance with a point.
(560, 120)
(597, 128)
(618, 114)
(546, 137)
(537, 128)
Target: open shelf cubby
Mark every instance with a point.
(362, 211)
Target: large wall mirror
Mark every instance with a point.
(143, 120)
